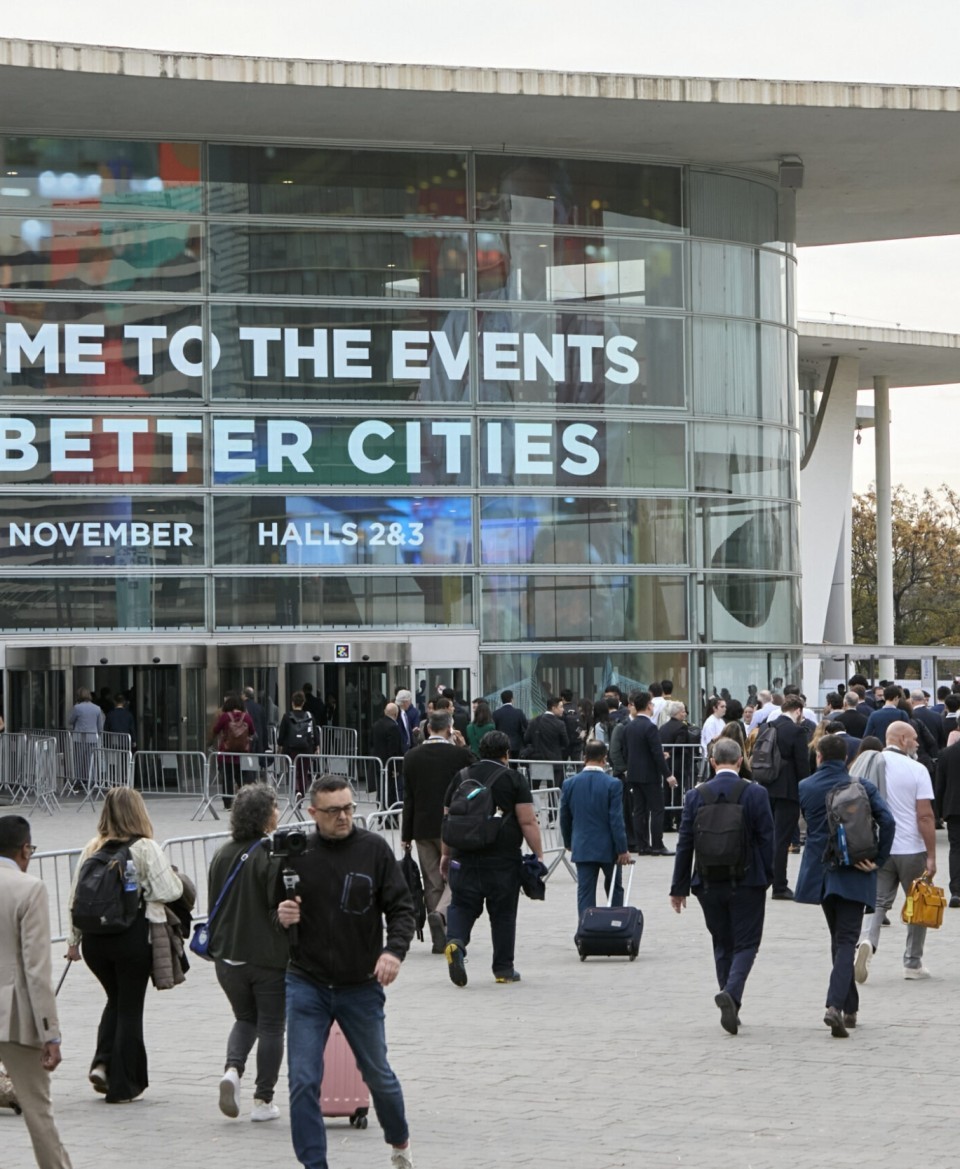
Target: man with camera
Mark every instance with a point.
(337, 891)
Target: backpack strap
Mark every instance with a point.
(711, 795)
(229, 881)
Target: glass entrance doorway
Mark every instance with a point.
(352, 695)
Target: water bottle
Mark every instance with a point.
(842, 844)
(130, 883)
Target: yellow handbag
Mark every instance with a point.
(925, 904)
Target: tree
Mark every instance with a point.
(926, 561)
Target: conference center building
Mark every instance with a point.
(369, 381)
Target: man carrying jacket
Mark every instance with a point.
(732, 910)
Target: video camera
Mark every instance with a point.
(291, 840)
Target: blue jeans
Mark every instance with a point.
(311, 1010)
(587, 874)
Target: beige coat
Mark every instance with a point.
(28, 1009)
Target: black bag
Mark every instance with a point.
(411, 874)
(720, 840)
(765, 760)
(299, 737)
(473, 820)
(852, 831)
(605, 932)
(103, 903)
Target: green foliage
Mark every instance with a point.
(926, 565)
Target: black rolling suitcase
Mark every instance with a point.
(606, 932)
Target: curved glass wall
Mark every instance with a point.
(268, 387)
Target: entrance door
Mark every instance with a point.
(156, 707)
(37, 700)
(353, 694)
(430, 680)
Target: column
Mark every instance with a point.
(881, 405)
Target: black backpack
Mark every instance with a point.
(852, 831)
(720, 838)
(299, 737)
(102, 905)
(765, 760)
(473, 820)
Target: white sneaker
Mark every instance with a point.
(264, 1110)
(230, 1093)
(401, 1159)
(916, 972)
(861, 961)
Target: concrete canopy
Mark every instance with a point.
(908, 357)
(881, 162)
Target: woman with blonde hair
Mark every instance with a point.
(734, 731)
(122, 961)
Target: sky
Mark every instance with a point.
(912, 283)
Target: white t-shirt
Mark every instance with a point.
(711, 729)
(907, 781)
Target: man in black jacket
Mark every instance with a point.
(349, 881)
(946, 790)
(784, 790)
(933, 722)
(386, 738)
(647, 768)
(428, 771)
(854, 723)
(547, 735)
(512, 722)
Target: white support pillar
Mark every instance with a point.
(881, 400)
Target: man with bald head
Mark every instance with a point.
(909, 795)
(386, 738)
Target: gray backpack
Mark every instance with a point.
(852, 830)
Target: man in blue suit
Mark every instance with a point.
(733, 910)
(592, 826)
(843, 891)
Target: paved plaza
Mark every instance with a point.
(592, 1066)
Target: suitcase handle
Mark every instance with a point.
(626, 893)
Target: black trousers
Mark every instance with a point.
(953, 836)
(628, 815)
(122, 964)
(786, 817)
(494, 881)
(734, 916)
(845, 919)
(646, 803)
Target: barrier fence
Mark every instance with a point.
(108, 768)
(223, 775)
(170, 773)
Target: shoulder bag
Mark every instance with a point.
(200, 941)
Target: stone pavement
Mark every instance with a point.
(591, 1066)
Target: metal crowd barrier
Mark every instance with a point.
(337, 740)
(543, 773)
(170, 773)
(192, 855)
(13, 765)
(40, 775)
(686, 763)
(546, 803)
(387, 825)
(364, 773)
(222, 777)
(56, 869)
(108, 768)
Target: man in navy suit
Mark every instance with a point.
(512, 722)
(733, 910)
(933, 722)
(844, 892)
(647, 768)
(592, 826)
(409, 718)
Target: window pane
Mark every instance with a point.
(773, 287)
(569, 192)
(343, 602)
(583, 608)
(743, 460)
(313, 529)
(569, 269)
(90, 172)
(744, 672)
(724, 279)
(64, 604)
(578, 358)
(116, 531)
(582, 530)
(774, 382)
(725, 368)
(744, 533)
(283, 352)
(726, 207)
(288, 261)
(295, 180)
(759, 610)
(93, 255)
(69, 349)
(582, 454)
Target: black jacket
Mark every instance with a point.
(513, 723)
(646, 762)
(259, 716)
(386, 738)
(547, 735)
(427, 773)
(946, 786)
(934, 724)
(346, 888)
(794, 758)
(854, 723)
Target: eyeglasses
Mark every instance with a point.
(31, 848)
(342, 810)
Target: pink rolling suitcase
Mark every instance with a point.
(343, 1092)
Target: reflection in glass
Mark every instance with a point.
(741, 673)
(109, 255)
(116, 531)
(322, 529)
(303, 261)
(743, 460)
(99, 172)
(343, 602)
(65, 604)
(746, 533)
(748, 608)
(121, 338)
(571, 192)
(582, 530)
(582, 608)
(314, 181)
(562, 269)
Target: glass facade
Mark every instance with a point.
(269, 388)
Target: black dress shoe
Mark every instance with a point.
(834, 1020)
(782, 895)
(729, 1015)
(661, 852)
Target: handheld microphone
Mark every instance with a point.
(291, 883)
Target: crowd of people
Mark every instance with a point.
(305, 940)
